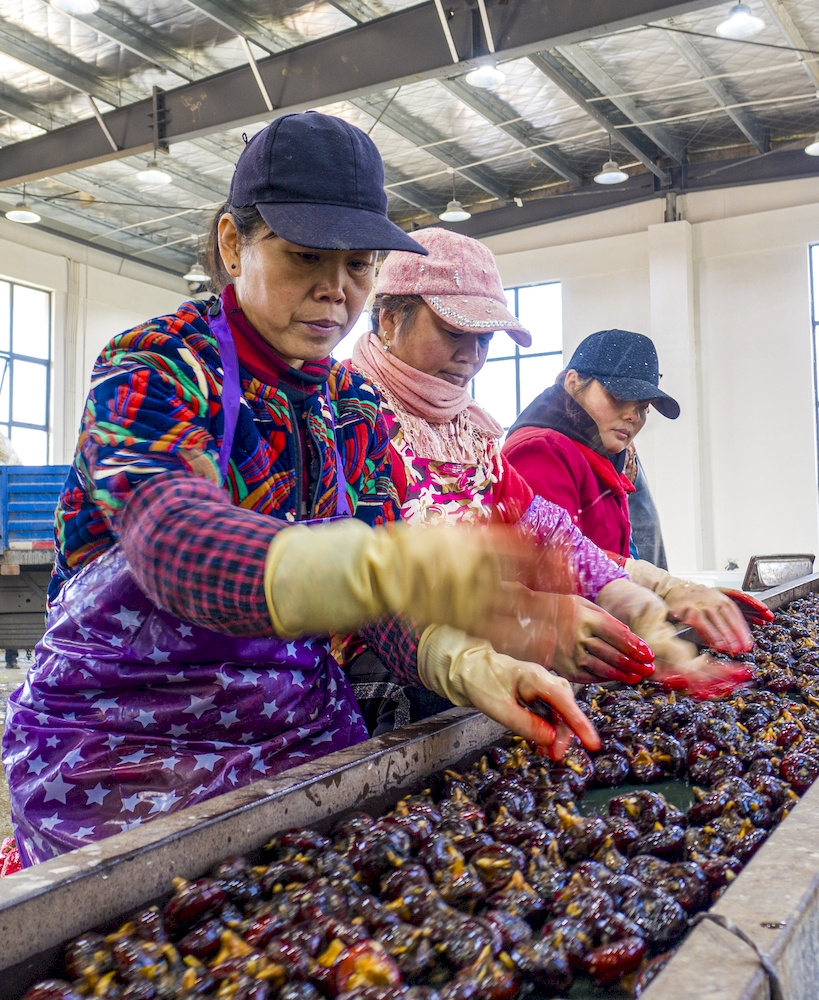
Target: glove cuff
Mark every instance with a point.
(441, 661)
(652, 577)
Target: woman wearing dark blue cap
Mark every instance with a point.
(186, 651)
(570, 444)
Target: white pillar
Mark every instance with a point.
(676, 480)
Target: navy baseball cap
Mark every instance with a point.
(626, 364)
(319, 182)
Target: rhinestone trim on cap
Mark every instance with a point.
(459, 317)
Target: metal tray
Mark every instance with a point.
(45, 906)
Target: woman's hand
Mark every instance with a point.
(570, 635)
(708, 610)
(678, 665)
(468, 671)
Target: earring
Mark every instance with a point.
(386, 346)
(233, 267)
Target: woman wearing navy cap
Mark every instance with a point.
(186, 651)
(570, 445)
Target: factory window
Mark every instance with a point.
(512, 375)
(25, 358)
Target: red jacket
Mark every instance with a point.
(575, 477)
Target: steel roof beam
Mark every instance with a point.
(745, 122)
(705, 176)
(499, 113)
(420, 134)
(232, 17)
(27, 48)
(793, 36)
(548, 64)
(609, 88)
(118, 26)
(403, 47)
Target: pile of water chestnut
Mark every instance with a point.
(495, 882)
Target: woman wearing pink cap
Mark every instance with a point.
(433, 319)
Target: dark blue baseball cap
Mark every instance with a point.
(626, 364)
(319, 182)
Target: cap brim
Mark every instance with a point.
(477, 314)
(335, 227)
(641, 392)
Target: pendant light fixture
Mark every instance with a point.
(77, 8)
(196, 275)
(485, 76)
(610, 172)
(23, 212)
(153, 175)
(455, 212)
(740, 23)
(812, 148)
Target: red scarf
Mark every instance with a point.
(605, 471)
(258, 357)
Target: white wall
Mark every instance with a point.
(96, 295)
(725, 294)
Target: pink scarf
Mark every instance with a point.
(429, 400)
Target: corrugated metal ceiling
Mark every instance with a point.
(647, 82)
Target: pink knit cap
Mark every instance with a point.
(458, 280)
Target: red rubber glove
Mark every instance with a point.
(754, 611)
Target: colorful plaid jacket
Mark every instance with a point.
(155, 407)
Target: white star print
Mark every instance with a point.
(255, 751)
(97, 794)
(231, 776)
(73, 756)
(42, 718)
(178, 730)
(227, 719)
(177, 678)
(36, 765)
(170, 762)
(146, 719)
(105, 703)
(159, 655)
(163, 802)
(84, 632)
(114, 741)
(131, 802)
(130, 826)
(206, 760)
(270, 707)
(184, 630)
(52, 741)
(128, 619)
(246, 737)
(19, 733)
(199, 790)
(71, 716)
(56, 789)
(199, 706)
(133, 758)
(301, 733)
(51, 680)
(223, 679)
(323, 738)
(51, 822)
(117, 641)
(291, 649)
(259, 766)
(298, 677)
(84, 831)
(290, 717)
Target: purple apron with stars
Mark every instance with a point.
(129, 713)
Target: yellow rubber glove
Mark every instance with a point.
(646, 615)
(678, 663)
(468, 671)
(570, 635)
(338, 576)
(706, 609)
